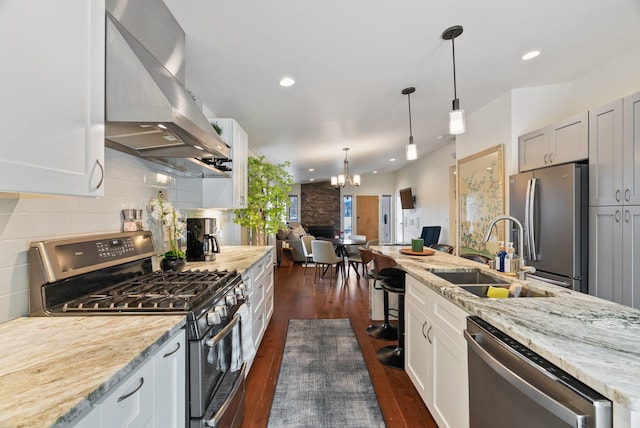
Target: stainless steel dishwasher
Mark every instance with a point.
(511, 386)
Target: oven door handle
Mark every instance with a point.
(545, 401)
(227, 328)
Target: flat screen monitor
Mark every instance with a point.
(406, 199)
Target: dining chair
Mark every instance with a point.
(430, 234)
(306, 249)
(354, 256)
(445, 248)
(324, 256)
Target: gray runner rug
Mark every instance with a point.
(323, 380)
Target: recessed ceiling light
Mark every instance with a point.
(530, 55)
(287, 81)
(311, 169)
(392, 160)
(312, 179)
(375, 172)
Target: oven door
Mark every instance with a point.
(209, 363)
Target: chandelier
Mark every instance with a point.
(342, 179)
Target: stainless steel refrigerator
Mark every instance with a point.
(552, 204)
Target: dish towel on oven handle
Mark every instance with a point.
(242, 348)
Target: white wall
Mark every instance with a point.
(129, 183)
(428, 178)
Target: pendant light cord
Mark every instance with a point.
(410, 130)
(453, 46)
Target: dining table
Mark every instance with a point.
(340, 244)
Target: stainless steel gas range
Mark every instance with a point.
(111, 274)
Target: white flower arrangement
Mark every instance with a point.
(171, 219)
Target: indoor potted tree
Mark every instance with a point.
(267, 197)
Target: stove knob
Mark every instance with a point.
(213, 317)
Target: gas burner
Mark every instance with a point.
(155, 292)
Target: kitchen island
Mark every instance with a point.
(594, 340)
(54, 369)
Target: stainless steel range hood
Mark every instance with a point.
(149, 113)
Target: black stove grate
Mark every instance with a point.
(154, 292)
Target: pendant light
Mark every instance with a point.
(456, 116)
(412, 150)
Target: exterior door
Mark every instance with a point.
(367, 217)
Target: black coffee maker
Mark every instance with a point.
(202, 243)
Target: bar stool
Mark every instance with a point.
(384, 331)
(393, 281)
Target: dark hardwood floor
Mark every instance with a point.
(296, 296)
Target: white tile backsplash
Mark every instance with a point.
(130, 182)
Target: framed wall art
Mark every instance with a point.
(480, 199)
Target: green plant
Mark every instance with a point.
(269, 187)
(217, 128)
(171, 219)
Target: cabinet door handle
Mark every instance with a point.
(424, 324)
(101, 174)
(429, 338)
(168, 354)
(617, 216)
(627, 216)
(618, 195)
(627, 195)
(546, 158)
(137, 388)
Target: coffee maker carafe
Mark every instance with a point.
(202, 243)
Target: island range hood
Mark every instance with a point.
(148, 111)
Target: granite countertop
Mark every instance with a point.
(52, 369)
(594, 340)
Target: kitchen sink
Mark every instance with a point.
(478, 282)
(481, 290)
(468, 277)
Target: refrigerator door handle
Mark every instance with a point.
(527, 225)
(533, 253)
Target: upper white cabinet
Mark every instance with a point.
(614, 153)
(52, 89)
(230, 192)
(566, 141)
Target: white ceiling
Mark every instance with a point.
(351, 60)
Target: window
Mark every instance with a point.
(293, 208)
(346, 217)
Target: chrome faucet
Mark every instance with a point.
(523, 269)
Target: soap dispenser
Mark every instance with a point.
(501, 257)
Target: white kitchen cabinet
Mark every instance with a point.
(130, 404)
(259, 283)
(614, 256)
(262, 296)
(169, 375)
(436, 353)
(230, 192)
(565, 141)
(52, 89)
(614, 153)
(614, 197)
(91, 420)
(606, 154)
(153, 395)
